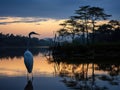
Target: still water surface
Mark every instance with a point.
(49, 74)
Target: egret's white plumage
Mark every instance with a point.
(28, 57)
(28, 60)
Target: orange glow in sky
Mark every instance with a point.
(22, 26)
(46, 27)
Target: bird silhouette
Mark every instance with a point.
(28, 57)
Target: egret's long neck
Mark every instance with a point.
(28, 44)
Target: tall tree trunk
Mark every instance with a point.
(87, 40)
(83, 36)
(93, 30)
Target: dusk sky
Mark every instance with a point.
(43, 16)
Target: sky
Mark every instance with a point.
(44, 16)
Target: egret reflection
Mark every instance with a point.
(29, 85)
(28, 57)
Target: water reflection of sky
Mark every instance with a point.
(55, 75)
(13, 75)
(15, 67)
(39, 83)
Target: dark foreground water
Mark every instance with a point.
(20, 83)
(51, 73)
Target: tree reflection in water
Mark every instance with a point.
(84, 75)
(12, 52)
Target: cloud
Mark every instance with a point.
(22, 20)
(3, 23)
(52, 8)
(3, 18)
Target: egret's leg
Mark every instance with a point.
(32, 76)
(27, 76)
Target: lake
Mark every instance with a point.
(52, 72)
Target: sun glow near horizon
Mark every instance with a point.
(22, 26)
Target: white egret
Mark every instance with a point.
(28, 57)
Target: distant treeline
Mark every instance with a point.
(11, 40)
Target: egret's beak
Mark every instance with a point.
(36, 33)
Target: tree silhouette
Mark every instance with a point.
(73, 29)
(70, 27)
(83, 16)
(11, 40)
(96, 13)
(115, 24)
(63, 33)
